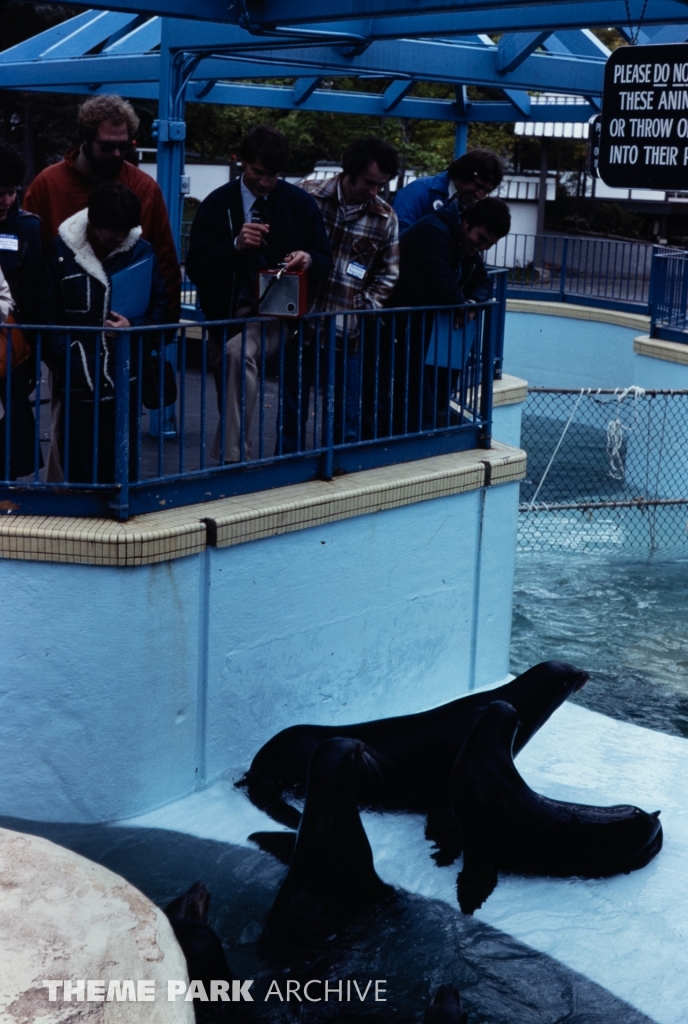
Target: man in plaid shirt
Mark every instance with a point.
(364, 236)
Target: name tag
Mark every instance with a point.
(10, 242)
(356, 270)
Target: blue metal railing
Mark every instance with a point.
(387, 386)
(669, 295)
(587, 271)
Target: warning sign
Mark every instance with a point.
(644, 133)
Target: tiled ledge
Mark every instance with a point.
(509, 391)
(636, 321)
(161, 536)
(670, 351)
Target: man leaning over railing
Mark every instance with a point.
(101, 273)
(469, 178)
(440, 266)
(254, 223)
(362, 229)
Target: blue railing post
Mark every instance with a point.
(656, 289)
(564, 262)
(490, 325)
(500, 285)
(123, 364)
(328, 399)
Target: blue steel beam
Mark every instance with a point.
(515, 47)
(395, 93)
(570, 15)
(434, 62)
(141, 39)
(303, 88)
(333, 101)
(418, 60)
(394, 18)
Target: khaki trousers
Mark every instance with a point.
(258, 335)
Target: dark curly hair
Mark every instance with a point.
(113, 206)
(478, 163)
(360, 153)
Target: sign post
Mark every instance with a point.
(644, 131)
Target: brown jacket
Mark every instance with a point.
(62, 190)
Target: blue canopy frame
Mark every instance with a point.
(177, 51)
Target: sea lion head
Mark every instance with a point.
(537, 693)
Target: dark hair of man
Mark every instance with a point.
(492, 214)
(113, 206)
(266, 144)
(361, 153)
(12, 166)
(478, 163)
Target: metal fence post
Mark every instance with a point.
(328, 400)
(123, 364)
(656, 289)
(490, 324)
(500, 279)
(564, 261)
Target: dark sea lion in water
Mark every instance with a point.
(332, 876)
(415, 752)
(446, 1007)
(506, 826)
(203, 951)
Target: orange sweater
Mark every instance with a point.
(62, 190)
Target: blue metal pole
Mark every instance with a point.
(328, 398)
(171, 130)
(487, 374)
(121, 505)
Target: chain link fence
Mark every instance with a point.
(607, 470)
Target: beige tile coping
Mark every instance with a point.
(161, 536)
(670, 351)
(636, 321)
(509, 391)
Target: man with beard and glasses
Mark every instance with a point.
(107, 127)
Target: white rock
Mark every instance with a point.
(64, 917)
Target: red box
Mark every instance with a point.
(287, 297)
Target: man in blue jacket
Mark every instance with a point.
(471, 177)
(440, 265)
(252, 224)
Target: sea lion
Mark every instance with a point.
(332, 876)
(446, 1007)
(415, 753)
(506, 826)
(203, 951)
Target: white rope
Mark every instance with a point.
(559, 443)
(616, 430)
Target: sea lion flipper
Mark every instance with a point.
(475, 883)
(443, 832)
(279, 844)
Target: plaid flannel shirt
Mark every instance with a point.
(367, 235)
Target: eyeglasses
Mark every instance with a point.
(110, 147)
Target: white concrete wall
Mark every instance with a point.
(205, 178)
(125, 688)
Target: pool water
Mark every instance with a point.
(624, 618)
